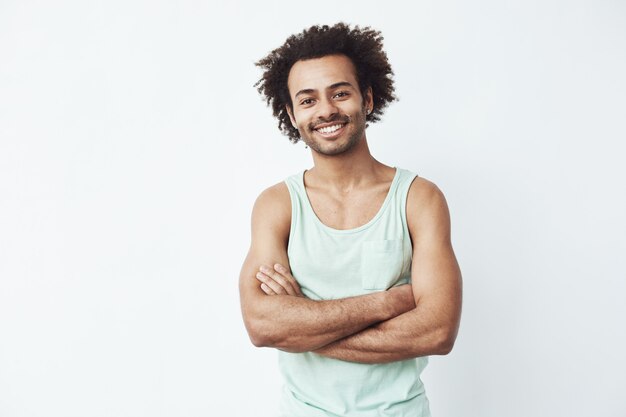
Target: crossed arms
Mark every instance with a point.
(403, 322)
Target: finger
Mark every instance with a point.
(270, 282)
(279, 279)
(266, 289)
(287, 275)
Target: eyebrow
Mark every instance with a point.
(331, 87)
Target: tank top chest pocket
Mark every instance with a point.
(381, 263)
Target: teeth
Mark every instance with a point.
(329, 129)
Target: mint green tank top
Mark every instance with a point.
(330, 264)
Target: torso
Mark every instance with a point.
(351, 209)
(344, 246)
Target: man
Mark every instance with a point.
(351, 273)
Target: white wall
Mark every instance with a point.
(132, 146)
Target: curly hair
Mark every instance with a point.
(364, 47)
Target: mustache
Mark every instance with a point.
(336, 118)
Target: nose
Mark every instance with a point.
(327, 109)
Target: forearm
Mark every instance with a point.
(410, 335)
(299, 324)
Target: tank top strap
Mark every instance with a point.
(402, 191)
(299, 199)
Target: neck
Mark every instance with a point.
(347, 170)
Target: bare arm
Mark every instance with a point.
(291, 322)
(431, 327)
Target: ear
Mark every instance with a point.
(368, 100)
(290, 113)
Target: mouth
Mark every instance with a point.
(330, 130)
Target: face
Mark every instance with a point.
(328, 108)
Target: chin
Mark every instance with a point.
(334, 148)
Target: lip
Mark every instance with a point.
(331, 135)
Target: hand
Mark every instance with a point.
(278, 281)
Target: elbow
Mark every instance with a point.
(258, 334)
(263, 334)
(444, 341)
(255, 328)
(261, 331)
(257, 339)
(284, 343)
(445, 347)
(263, 337)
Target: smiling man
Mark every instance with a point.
(350, 274)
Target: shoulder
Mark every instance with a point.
(272, 209)
(423, 192)
(274, 198)
(426, 207)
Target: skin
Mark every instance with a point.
(333, 104)
(403, 322)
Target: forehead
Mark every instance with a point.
(319, 73)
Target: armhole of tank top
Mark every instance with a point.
(405, 199)
(293, 198)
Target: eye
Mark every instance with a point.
(306, 102)
(341, 94)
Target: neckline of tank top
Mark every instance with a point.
(379, 213)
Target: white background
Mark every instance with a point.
(133, 144)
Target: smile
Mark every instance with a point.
(329, 130)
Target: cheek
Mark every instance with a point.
(301, 118)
